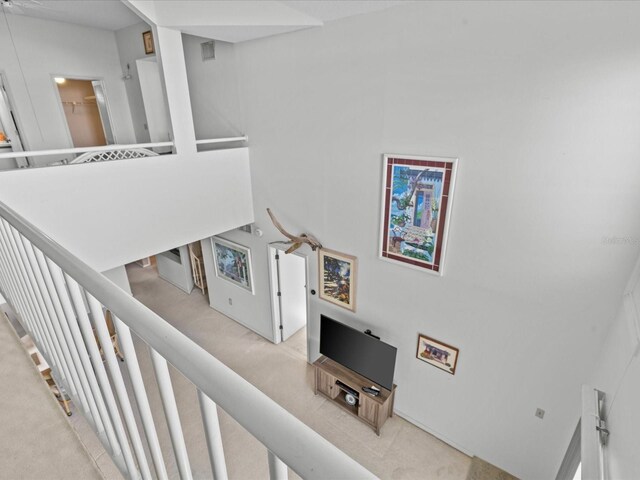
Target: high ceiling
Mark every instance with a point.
(114, 15)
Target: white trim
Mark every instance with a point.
(244, 138)
(104, 148)
(275, 305)
(447, 220)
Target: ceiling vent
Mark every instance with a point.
(208, 50)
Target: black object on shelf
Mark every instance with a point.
(347, 389)
(372, 391)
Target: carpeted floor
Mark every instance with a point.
(481, 470)
(37, 442)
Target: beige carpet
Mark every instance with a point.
(481, 470)
(36, 441)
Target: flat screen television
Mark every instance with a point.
(358, 351)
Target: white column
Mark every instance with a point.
(171, 56)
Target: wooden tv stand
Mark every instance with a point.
(331, 379)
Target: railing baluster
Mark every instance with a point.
(126, 343)
(103, 379)
(44, 345)
(63, 294)
(277, 468)
(54, 319)
(17, 292)
(212, 433)
(171, 413)
(100, 325)
(71, 345)
(16, 300)
(47, 325)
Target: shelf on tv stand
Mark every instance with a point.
(370, 409)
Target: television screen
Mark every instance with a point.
(358, 351)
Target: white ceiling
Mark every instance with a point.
(114, 15)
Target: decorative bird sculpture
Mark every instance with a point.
(296, 241)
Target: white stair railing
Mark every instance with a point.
(60, 301)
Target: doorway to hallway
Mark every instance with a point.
(85, 111)
(289, 298)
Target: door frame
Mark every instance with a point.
(17, 120)
(273, 284)
(61, 107)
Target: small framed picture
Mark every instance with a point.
(147, 38)
(438, 354)
(233, 263)
(338, 278)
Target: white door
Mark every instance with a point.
(290, 292)
(155, 102)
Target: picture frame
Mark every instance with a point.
(417, 194)
(438, 354)
(337, 272)
(233, 263)
(147, 40)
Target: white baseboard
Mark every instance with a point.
(430, 431)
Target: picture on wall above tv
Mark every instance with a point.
(416, 206)
(360, 352)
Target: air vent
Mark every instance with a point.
(208, 50)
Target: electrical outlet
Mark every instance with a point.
(540, 413)
(231, 303)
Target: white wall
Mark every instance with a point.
(113, 213)
(617, 374)
(215, 103)
(47, 48)
(176, 270)
(542, 113)
(118, 275)
(130, 49)
(251, 310)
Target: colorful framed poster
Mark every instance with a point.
(233, 263)
(337, 278)
(438, 354)
(416, 206)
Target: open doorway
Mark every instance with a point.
(85, 110)
(289, 300)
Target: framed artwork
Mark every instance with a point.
(337, 278)
(233, 263)
(147, 39)
(438, 354)
(416, 206)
